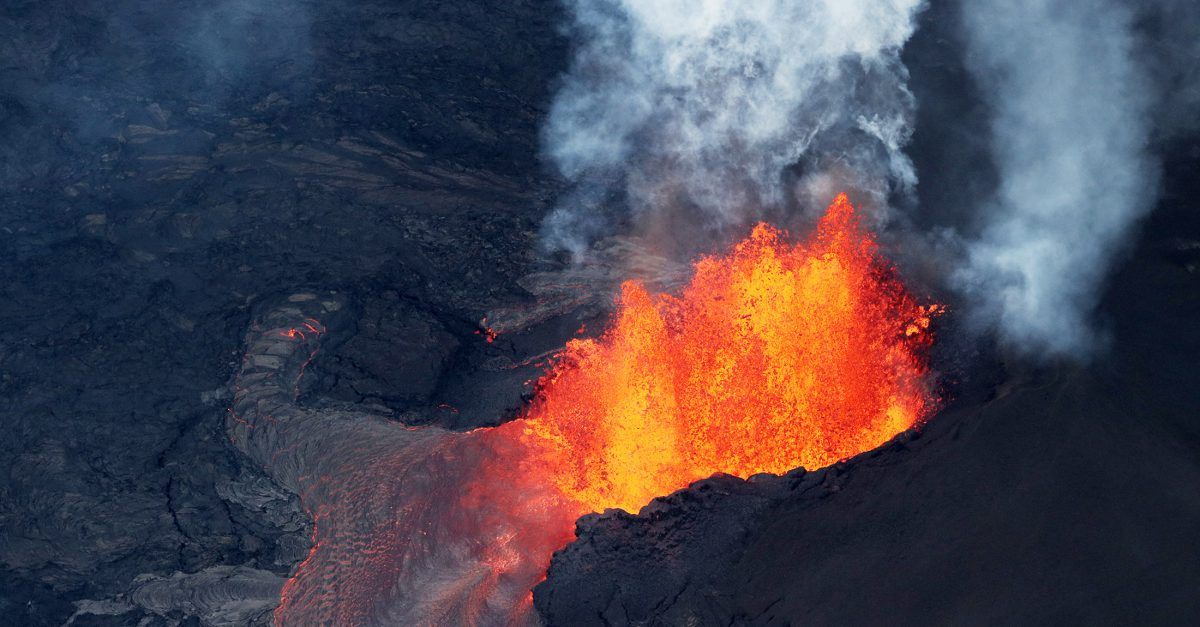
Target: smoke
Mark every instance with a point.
(705, 114)
(680, 120)
(1071, 122)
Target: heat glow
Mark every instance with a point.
(775, 356)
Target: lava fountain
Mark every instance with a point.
(774, 356)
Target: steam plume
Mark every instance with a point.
(688, 117)
(1069, 130)
(712, 112)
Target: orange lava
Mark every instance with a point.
(775, 356)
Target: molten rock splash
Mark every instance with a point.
(774, 356)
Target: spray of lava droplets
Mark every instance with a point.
(775, 356)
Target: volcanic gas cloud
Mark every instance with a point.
(775, 356)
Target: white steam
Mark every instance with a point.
(698, 108)
(1069, 132)
(695, 115)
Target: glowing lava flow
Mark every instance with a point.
(774, 356)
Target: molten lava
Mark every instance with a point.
(775, 356)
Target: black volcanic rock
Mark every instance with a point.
(397, 354)
(602, 577)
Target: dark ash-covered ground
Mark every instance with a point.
(164, 172)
